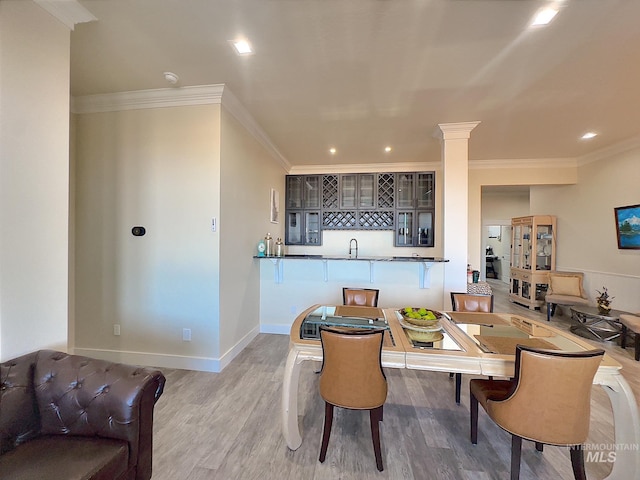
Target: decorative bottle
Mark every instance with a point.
(268, 241)
(279, 248)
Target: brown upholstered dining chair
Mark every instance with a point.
(565, 288)
(365, 297)
(548, 401)
(352, 377)
(467, 302)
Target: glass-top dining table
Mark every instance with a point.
(470, 343)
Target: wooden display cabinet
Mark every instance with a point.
(533, 256)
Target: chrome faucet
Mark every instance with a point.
(351, 248)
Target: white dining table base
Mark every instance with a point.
(624, 406)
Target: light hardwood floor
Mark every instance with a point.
(227, 425)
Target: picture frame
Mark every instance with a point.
(628, 226)
(274, 206)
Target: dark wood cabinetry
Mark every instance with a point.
(403, 202)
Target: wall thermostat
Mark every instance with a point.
(138, 231)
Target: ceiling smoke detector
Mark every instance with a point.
(171, 78)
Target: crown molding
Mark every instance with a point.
(178, 97)
(455, 131)
(69, 12)
(240, 113)
(140, 99)
(523, 163)
(365, 168)
(618, 148)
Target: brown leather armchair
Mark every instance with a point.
(67, 416)
(352, 377)
(548, 401)
(364, 297)
(467, 302)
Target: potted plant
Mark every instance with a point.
(603, 300)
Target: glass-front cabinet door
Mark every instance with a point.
(425, 229)
(544, 247)
(516, 246)
(294, 192)
(526, 246)
(312, 191)
(312, 228)
(425, 190)
(404, 229)
(404, 190)
(348, 191)
(293, 232)
(367, 190)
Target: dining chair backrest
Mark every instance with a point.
(551, 398)
(351, 375)
(365, 297)
(467, 302)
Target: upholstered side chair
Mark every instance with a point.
(467, 302)
(565, 288)
(352, 377)
(364, 297)
(548, 401)
(630, 323)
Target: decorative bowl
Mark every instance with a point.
(422, 322)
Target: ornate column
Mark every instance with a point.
(454, 138)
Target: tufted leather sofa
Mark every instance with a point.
(70, 417)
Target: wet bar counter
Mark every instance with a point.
(425, 264)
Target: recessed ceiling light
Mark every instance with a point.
(387, 149)
(332, 151)
(589, 135)
(242, 47)
(544, 16)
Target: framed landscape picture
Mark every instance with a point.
(628, 226)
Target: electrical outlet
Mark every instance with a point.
(186, 334)
(116, 329)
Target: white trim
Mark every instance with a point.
(234, 351)
(164, 360)
(368, 168)
(523, 163)
(598, 272)
(160, 360)
(240, 113)
(178, 97)
(610, 151)
(140, 99)
(69, 12)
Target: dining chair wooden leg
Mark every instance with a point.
(328, 420)
(637, 346)
(516, 448)
(623, 337)
(473, 407)
(539, 446)
(458, 386)
(577, 462)
(375, 416)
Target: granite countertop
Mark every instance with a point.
(302, 256)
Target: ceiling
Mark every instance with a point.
(359, 75)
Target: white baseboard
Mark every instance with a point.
(164, 360)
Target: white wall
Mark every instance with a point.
(157, 168)
(586, 227)
(34, 179)
(509, 172)
(248, 173)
